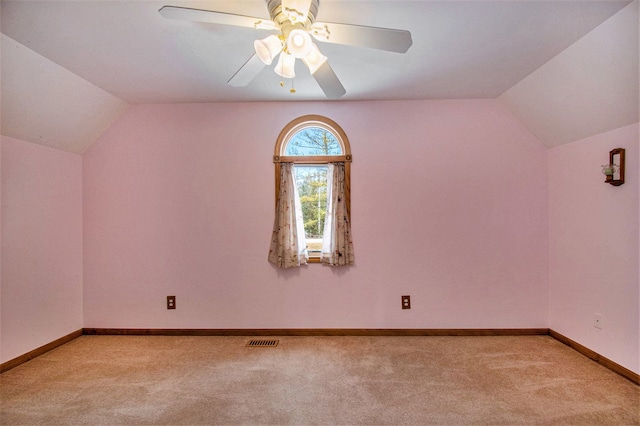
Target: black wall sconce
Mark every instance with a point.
(614, 171)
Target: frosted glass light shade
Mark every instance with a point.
(299, 43)
(314, 59)
(268, 48)
(286, 65)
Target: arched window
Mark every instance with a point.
(313, 152)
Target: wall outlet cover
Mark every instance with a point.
(171, 302)
(406, 302)
(597, 321)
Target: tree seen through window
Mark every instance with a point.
(311, 180)
(313, 141)
(312, 189)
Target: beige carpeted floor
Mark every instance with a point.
(316, 380)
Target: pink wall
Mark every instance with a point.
(1, 239)
(41, 246)
(593, 246)
(449, 202)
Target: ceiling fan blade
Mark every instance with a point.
(247, 72)
(362, 36)
(328, 81)
(213, 17)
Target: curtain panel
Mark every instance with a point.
(288, 243)
(337, 245)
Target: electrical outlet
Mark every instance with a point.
(597, 321)
(406, 302)
(171, 302)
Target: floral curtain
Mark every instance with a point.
(288, 243)
(337, 245)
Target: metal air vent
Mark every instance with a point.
(263, 343)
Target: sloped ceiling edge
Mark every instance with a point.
(588, 89)
(46, 104)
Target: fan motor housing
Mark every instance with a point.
(283, 17)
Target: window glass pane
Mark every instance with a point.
(313, 141)
(312, 188)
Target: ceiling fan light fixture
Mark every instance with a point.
(314, 59)
(268, 48)
(286, 65)
(299, 43)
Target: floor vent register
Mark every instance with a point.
(263, 343)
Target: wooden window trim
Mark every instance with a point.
(313, 120)
(311, 159)
(291, 129)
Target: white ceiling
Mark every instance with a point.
(128, 52)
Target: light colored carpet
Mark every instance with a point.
(316, 380)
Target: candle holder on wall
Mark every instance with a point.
(614, 171)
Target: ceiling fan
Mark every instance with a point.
(293, 22)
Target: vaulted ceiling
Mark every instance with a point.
(567, 69)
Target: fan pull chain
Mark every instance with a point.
(292, 90)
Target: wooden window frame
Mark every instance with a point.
(313, 120)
